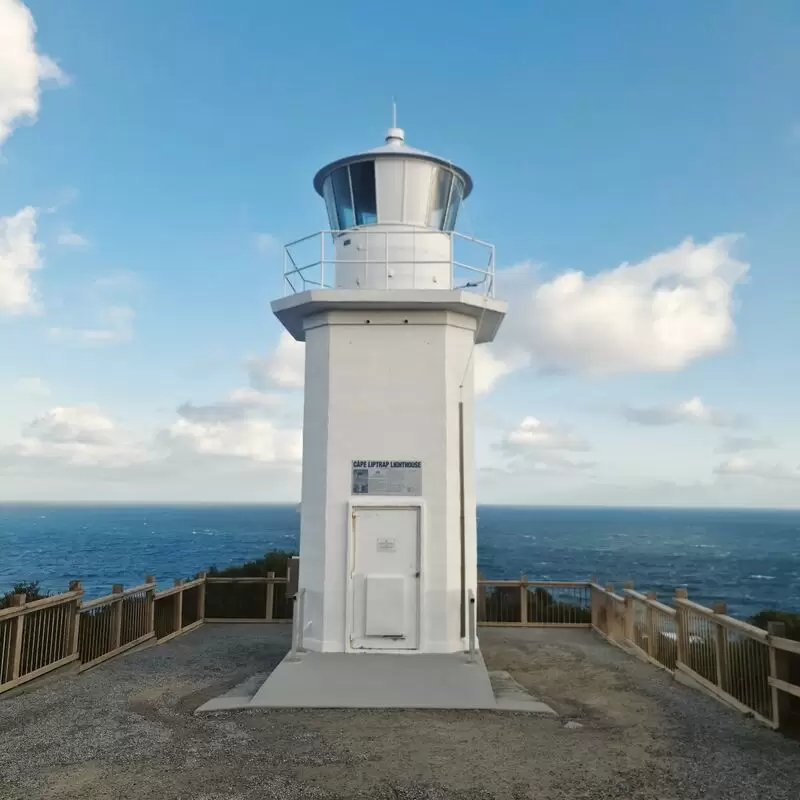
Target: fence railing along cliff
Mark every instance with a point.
(755, 671)
(45, 635)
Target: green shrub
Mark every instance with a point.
(790, 618)
(275, 561)
(31, 591)
(248, 601)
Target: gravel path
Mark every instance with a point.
(126, 730)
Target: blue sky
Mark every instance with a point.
(158, 154)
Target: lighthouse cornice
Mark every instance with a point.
(294, 309)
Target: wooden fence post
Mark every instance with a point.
(594, 602)
(778, 668)
(17, 601)
(523, 599)
(681, 634)
(650, 627)
(630, 614)
(201, 597)
(269, 613)
(73, 628)
(611, 609)
(151, 604)
(177, 607)
(720, 647)
(116, 621)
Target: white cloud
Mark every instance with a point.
(489, 367)
(534, 446)
(78, 435)
(740, 465)
(254, 439)
(115, 326)
(284, 367)
(69, 238)
(691, 411)
(241, 426)
(533, 434)
(738, 444)
(240, 404)
(238, 427)
(266, 244)
(32, 386)
(19, 256)
(22, 68)
(655, 316)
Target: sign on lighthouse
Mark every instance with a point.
(390, 302)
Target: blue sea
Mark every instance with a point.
(750, 559)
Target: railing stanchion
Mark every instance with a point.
(116, 618)
(201, 597)
(297, 622)
(778, 670)
(17, 601)
(177, 607)
(322, 260)
(151, 603)
(720, 647)
(269, 612)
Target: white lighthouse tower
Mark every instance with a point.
(390, 303)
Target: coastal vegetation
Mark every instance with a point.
(245, 601)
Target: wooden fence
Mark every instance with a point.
(45, 635)
(534, 603)
(752, 670)
(755, 671)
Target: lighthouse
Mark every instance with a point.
(391, 303)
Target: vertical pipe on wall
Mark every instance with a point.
(462, 518)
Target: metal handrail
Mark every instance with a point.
(317, 266)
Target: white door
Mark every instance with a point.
(384, 578)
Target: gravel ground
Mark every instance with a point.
(126, 730)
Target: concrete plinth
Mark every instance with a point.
(339, 680)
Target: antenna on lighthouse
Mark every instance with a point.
(394, 111)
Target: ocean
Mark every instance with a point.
(750, 559)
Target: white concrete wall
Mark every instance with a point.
(386, 389)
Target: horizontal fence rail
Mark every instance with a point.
(45, 635)
(752, 670)
(37, 637)
(258, 599)
(534, 603)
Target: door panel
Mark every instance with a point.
(384, 579)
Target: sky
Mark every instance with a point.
(636, 165)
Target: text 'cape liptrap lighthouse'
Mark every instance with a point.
(390, 303)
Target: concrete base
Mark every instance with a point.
(339, 680)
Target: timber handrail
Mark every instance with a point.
(110, 598)
(534, 583)
(606, 591)
(36, 605)
(246, 580)
(643, 598)
(723, 619)
(179, 588)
